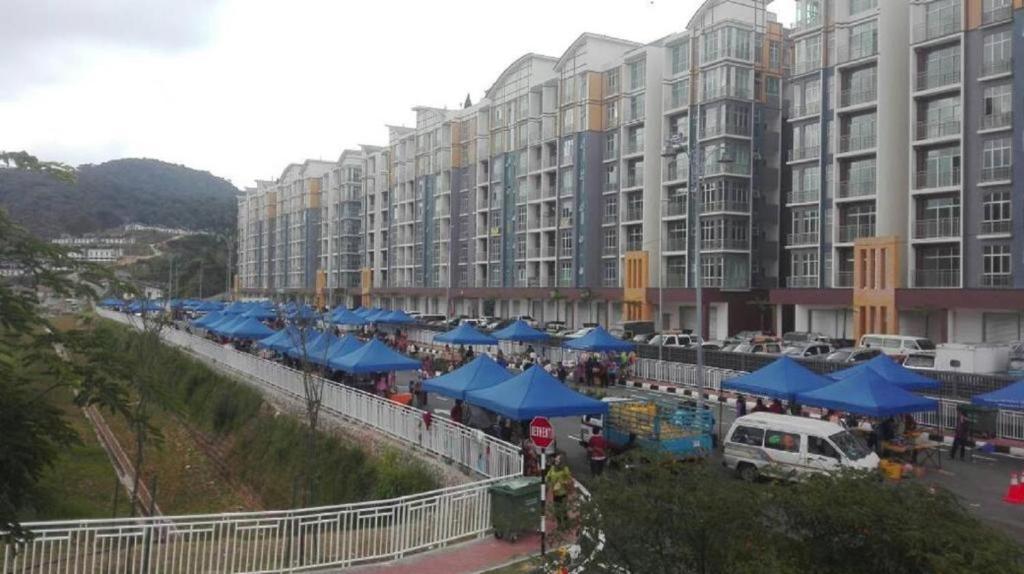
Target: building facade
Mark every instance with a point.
(855, 173)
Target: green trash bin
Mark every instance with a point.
(515, 507)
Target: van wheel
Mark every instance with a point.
(747, 472)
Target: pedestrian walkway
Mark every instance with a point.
(466, 558)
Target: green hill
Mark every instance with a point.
(117, 192)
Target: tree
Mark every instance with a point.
(32, 430)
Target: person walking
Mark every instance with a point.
(597, 450)
(960, 435)
(559, 481)
(741, 406)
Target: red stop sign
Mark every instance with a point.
(541, 432)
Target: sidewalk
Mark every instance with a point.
(465, 558)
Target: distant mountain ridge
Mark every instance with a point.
(117, 192)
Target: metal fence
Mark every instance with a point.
(287, 540)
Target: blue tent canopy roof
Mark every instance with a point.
(374, 357)
(207, 306)
(534, 393)
(481, 373)
(339, 348)
(279, 340)
(224, 326)
(260, 312)
(343, 316)
(209, 319)
(1010, 397)
(249, 329)
(520, 331)
(890, 371)
(867, 393)
(305, 338)
(465, 334)
(317, 351)
(236, 308)
(782, 379)
(598, 340)
(396, 318)
(376, 315)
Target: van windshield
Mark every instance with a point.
(923, 344)
(852, 447)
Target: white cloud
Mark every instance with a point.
(245, 87)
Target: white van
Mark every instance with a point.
(896, 345)
(788, 447)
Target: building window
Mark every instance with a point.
(772, 88)
(610, 273)
(997, 53)
(611, 82)
(635, 238)
(995, 10)
(636, 108)
(611, 209)
(858, 6)
(805, 221)
(675, 236)
(637, 74)
(996, 213)
(565, 242)
(804, 263)
(996, 266)
(565, 273)
(863, 40)
(998, 108)
(997, 157)
(774, 54)
(609, 241)
(679, 56)
(568, 179)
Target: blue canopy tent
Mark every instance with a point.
(376, 315)
(209, 319)
(396, 318)
(521, 332)
(281, 340)
(534, 393)
(361, 312)
(304, 313)
(223, 327)
(465, 335)
(481, 373)
(338, 349)
(297, 343)
(111, 302)
(890, 371)
(249, 329)
(207, 307)
(316, 350)
(343, 316)
(598, 340)
(261, 312)
(374, 357)
(867, 393)
(236, 308)
(782, 379)
(1010, 397)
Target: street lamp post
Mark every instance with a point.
(674, 147)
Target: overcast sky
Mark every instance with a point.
(241, 88)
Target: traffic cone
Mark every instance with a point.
(1014, 494)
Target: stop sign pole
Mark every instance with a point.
(542, 435)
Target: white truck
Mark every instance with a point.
(977, 358)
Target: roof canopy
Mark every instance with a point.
(315, 349)
(374, 357)
(281, 340)
(867, 393)
(260, 312)
(396, 318)
(1010, 397)
(224, 326)
(480, 373)
(890, 371)
(208, 319)
(249, 329)
(338, 349)
(343, 316)
(534, 393)
(598, 340)
(236, 308)
(520, 331)
(782, 379)
(465, 334)
(304, 338)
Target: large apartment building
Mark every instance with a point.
(855, 175)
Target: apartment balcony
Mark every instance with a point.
(633, 246)
(933, 80)
(937, 179)
(633, 147)
(726, 206)
(800, 239)
(806, 282)
(806, 24)
(848, 143)
(993, 174)
(675, 245)
(803, 196)
(807, 109)
(676, 173)
(997, 121)
(849, 189)
(635, 180)
(633, 214)
(996, 15)
(928, 130)
(936, 278)
(728, 91)
(857, 96)
(804, 153)
(857, 51)
(675, 208)
(944, 228)
(675, 280)
(844, 279)
(937, 28)
(1001, 227)
(611, 185)
(547, 251)
(724, 245)
(805, 67)
(716, 130)
(731, 168)
(607, 250)
(1001, 281)
(533, 282)
(851, 233)
(996, 68)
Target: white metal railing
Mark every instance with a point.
(287, 540)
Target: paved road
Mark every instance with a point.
(980, 483)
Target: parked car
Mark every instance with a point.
(794, 337)
(633, 329)
(554, 326)
(673, 340)
(580, 333)
(526, 319)
(920, 360)
(853, 355)
(456, 320)
(744, 336)
(807, 350)
(644, 338)
(432, 319)
(976, 358)
(764, 348)
(896, 345)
